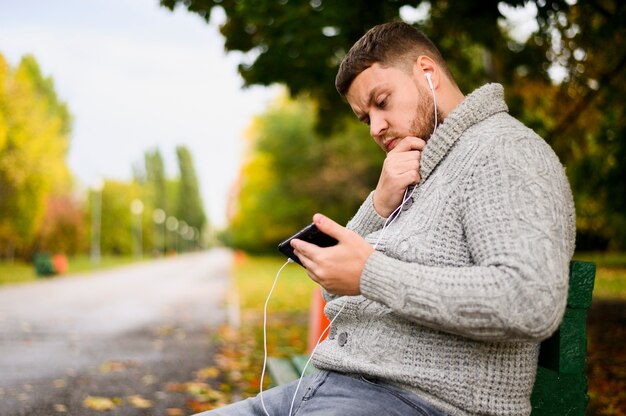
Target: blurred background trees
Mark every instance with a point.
(42, 208)
(34, 140)
(563, 76)
(189, 202)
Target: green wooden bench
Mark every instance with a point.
(285, 370)
(561, 383)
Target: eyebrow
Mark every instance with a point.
(371, 101)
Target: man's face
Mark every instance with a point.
(393, 104)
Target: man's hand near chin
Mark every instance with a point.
(400, 169)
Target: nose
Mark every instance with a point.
(378, 124)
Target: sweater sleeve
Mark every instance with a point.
(518, 218)
(366, 220)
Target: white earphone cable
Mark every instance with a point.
(265, 335)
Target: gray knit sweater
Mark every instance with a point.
(471, 277)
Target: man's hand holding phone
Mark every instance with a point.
(400, 169)
(338, 268)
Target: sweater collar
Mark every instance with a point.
(476, 107)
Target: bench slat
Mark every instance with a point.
(561, 383)
(281, 370)
(299, 361)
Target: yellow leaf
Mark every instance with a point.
(101, 403)
(209, 372)
(117, 366)
(139, 402)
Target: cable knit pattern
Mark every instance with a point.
(466, 282)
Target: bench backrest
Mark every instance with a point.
(561, 384)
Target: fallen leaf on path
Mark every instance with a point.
(101, 403)
(60, 408)
(174, 412)
(176, 387)
(58, 383)
(198, 406)
(208, 372)
(117, 366)
(205, 393)
(139, 402)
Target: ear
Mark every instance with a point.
(423, 65)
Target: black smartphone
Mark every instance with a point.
(310, 234)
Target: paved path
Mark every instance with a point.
(154, 315)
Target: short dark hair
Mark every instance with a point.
(389, 44)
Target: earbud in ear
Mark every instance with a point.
(430, 81)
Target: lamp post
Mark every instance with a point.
(136, 208)
(182, 230)
(191, 235)
(171, 223)
(158, 215)
(96, 221)
(196, 238)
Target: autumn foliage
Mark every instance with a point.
(63, 226)
(34, 140)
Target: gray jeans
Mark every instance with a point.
(332, 394)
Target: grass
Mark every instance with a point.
(16, 272)
(22, 272)
(254, 277)
(610, 283)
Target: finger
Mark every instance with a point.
(306, 250)
(409, 143)
(402, 156)
(415, 142)
(412, 177)
(308, 264)
(328, 226)
(303, 258)
(401, 167)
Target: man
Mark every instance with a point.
(439, 309)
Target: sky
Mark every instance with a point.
(137, 77)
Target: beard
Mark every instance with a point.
(423, 124)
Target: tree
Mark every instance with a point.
(116, 218)
(156, 179)
(300, 44)
(190, 208)
(34, 139)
